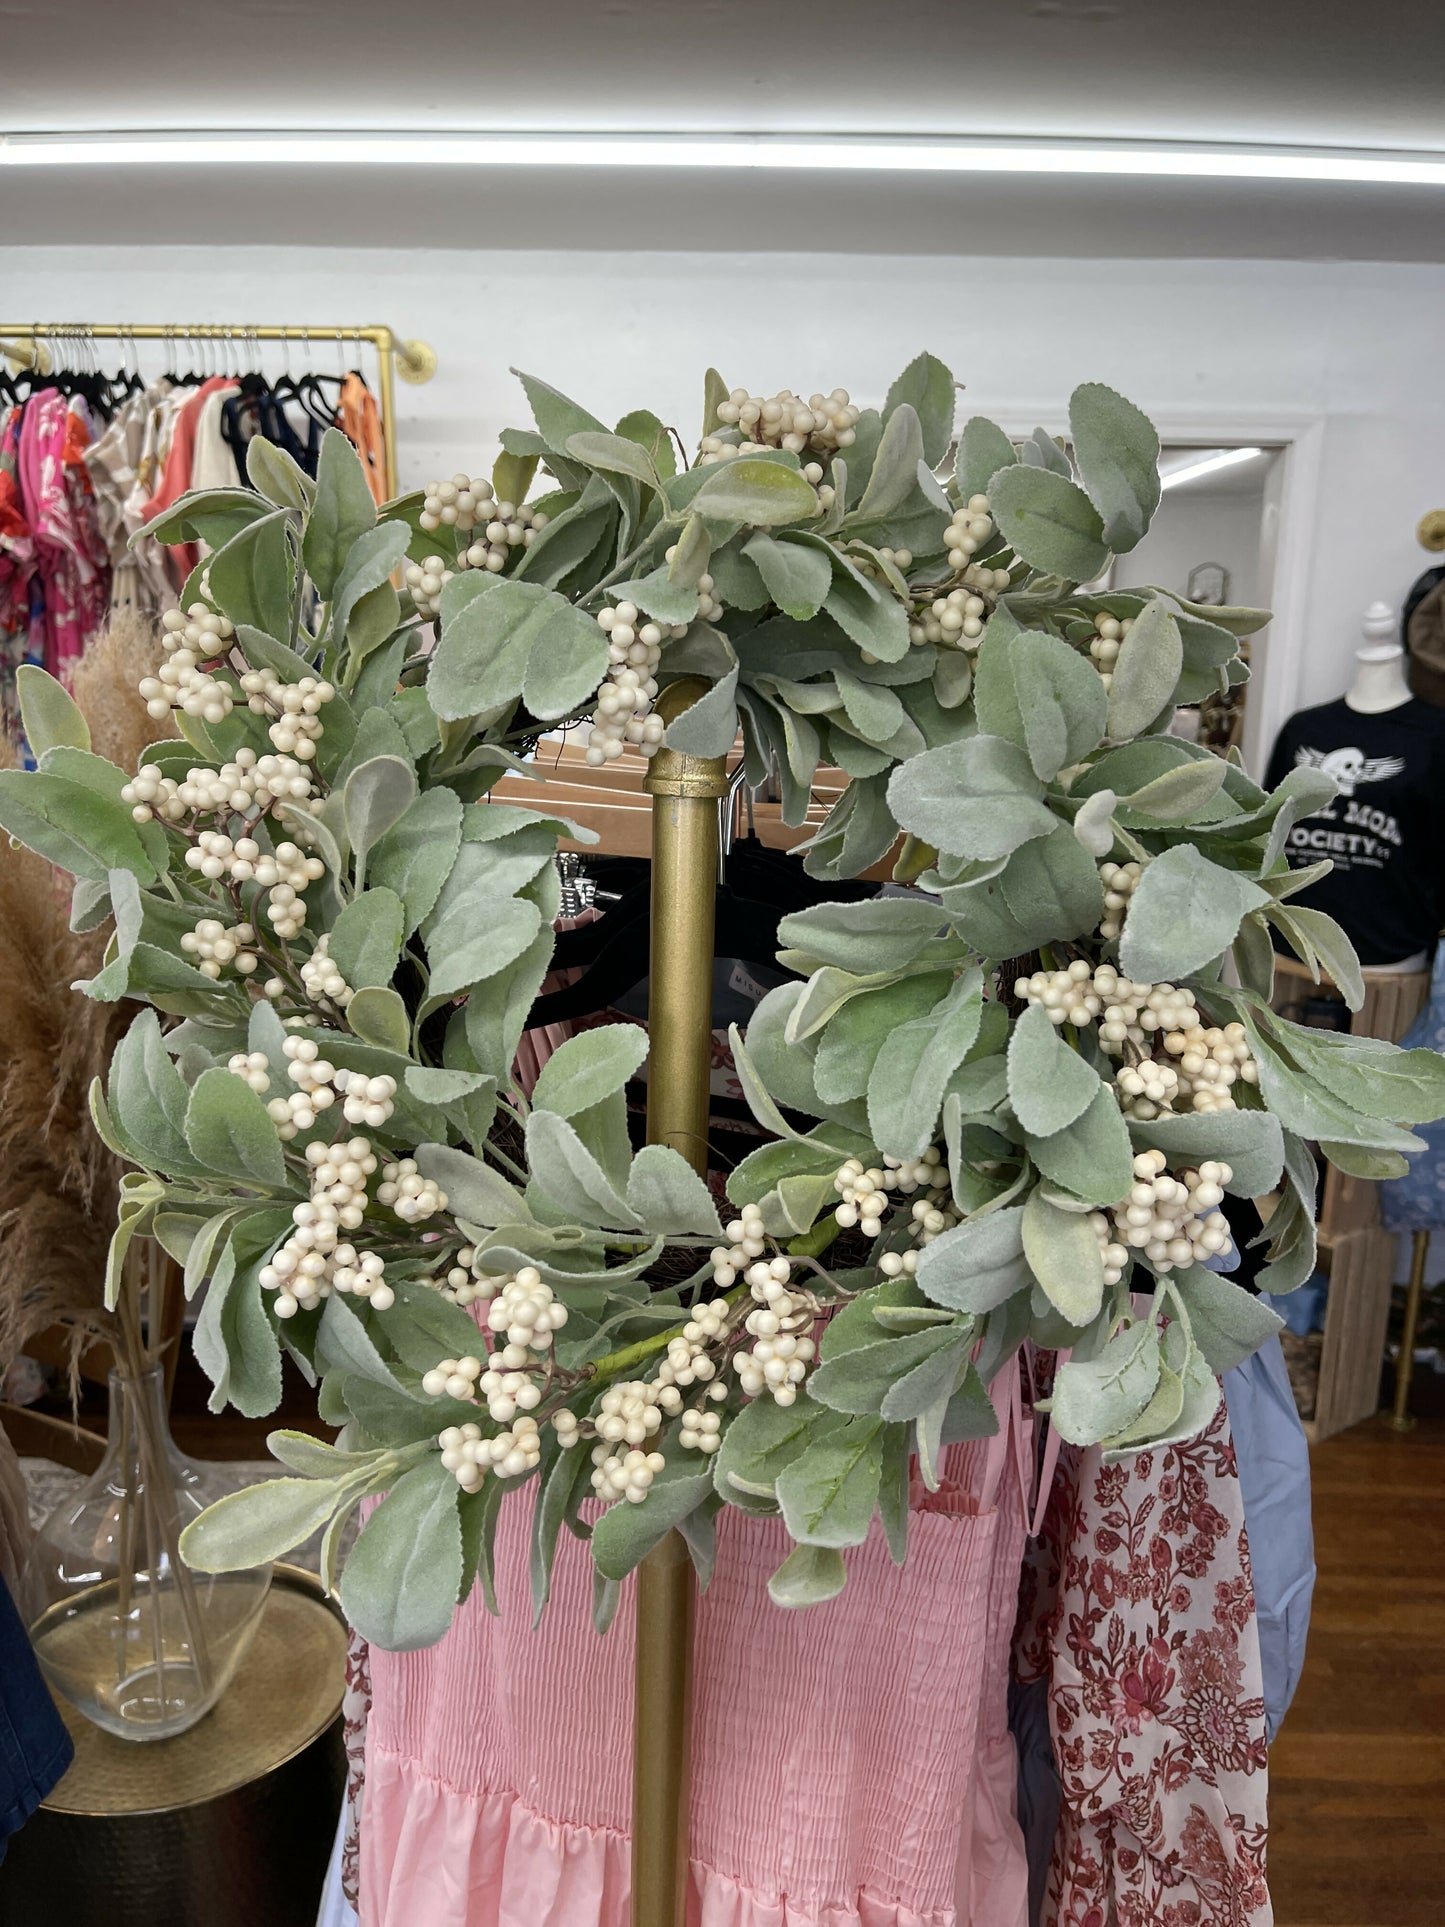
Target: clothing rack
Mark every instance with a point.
(28, 344)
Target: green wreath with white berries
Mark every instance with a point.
(1005, 1107)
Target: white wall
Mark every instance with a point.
(1193, 526)
(1348, 352)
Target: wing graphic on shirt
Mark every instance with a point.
(1350, 768)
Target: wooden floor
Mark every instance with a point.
(1357, 1773)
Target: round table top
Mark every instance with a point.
(288, 1691)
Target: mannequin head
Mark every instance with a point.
(1379, 682)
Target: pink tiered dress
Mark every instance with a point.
(851, 1764)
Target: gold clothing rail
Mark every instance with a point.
(27, 344)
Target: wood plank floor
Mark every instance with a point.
(1357, 1773)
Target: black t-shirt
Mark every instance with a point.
(1384, 832)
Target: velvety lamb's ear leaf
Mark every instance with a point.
(978, 798)
(1049, 1085)
(378, 794)
(1317, 938)
(976, 1265)
(909, 1077)
(278, 476)
(49, 712)
(927, 386)
(1062, 702)
(983, 449)
(809, 1576)
(1099, 1396)
(830, 1491)
(1064, 1256)
(365, 940)
(415, 856)
(1146, 671)
(229, 1132)
(709, 726)
(588, 1067)
(798, 576)
(260, 1523)
(378, 1016)
(1094, 824)
(666, 1194)
(251, 578)
(571, 1178)
(1250, 1142)
(625, 1534)
(1183, 913)
(1048, 522)
(1092, 1159)
(1226, 1323)
(759, 494)
(72, 825)
(342, 511)
(402, 1580)
(1117, 449)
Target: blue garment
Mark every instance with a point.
(1274, 1483)
(35, 1748)
(1416, 1202)
(1039, 1792)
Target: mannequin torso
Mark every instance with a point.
(1379, 683)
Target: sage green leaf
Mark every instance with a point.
(313, 1458)
(1333, 949)
(1064, 1256)
(908, 1079)
(50, 714)
(1184, 912)
(613, 454)
(978, 798)
(626, 1533)
(1253, 955)
(983, 449)
(893, 478)
(709, 726)
(1145, 672)
(518, 637)
(1176, 796)
(1405, 1086)
(869, 615)
(798, 576)
(828, 1494)
(1061, 700)
(927, 386)
(341, 512)
(1202, 1393)
(661, 595)
(894, 1491)
(378, 794)
(229, 1132)
(1049, 1084)
(557, 417)
(1047, 890)
(1099, 1396)
(854, 1036)
(570, 1177)
(260, 1523)
(404, 1575)
(1226, 1323)
(277, 476)
(976, 1265)
(495, 1021)
(473, 937)
(72, 825)
(1048, 522)
(881, 933)
(1249, 1142)
(415, 856)
(809, 1576)
(860, 1379)
(762, 1441)
(378, 1016)
(761, 494)
(365, 940)
(234, 1341)
(665, 1194)
(212, 515)
(560, 1476)
(251, 577)
(1094, 824)
(1117, 449)
(1092, 1159)
(588, 1067)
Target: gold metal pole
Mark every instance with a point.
(386, 408)
(685, 792)
(1400, 1417)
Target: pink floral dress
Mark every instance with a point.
(1139, 1609)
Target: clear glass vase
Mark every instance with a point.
(139, 1643)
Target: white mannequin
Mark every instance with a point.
(1379, 683)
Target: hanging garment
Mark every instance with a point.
(825, 1792)
(17, 573)
(71, 561)
(114, 462)
(176, 474)
(1138, 1608)
(213, 461)
(35, 1748)
(1416, 1202)
(359, 422)
(150, 556)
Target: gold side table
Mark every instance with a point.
(227, 1825)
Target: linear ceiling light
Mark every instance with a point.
(1209, 465)
(885, 154)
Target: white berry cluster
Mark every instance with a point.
(822, 423)
(700, 1431)
(296, 706)
(624, 700)
(746, 1241)
(527, 1311)
(970, 528)
(323, 982)
(1114, 1254)
(365, 1100)
(411, 1196)
(254, 1068)
(1210, 1061)
(510, 1455)
(458, 504)
(198, 635)
(315, 1091)
(512, 526)
(865, 1199)
(213, 945)
(1174, 1220)
(782, 1350)
(1106, 642)
(425, 580)
(316, 1258)
(629, 1413)
(453, 1378)
(951, 621)
(1129, 1012)
(467, 502)
(1120, 881)
(245, 787)
(464, 1281)
(625, 1475)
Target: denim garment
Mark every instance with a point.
(35, 1748)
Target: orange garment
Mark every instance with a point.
(359, 422)
(177, 476)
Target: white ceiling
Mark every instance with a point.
(1328, 73)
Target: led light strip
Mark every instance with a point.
(1226, 458)
(885, 154)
